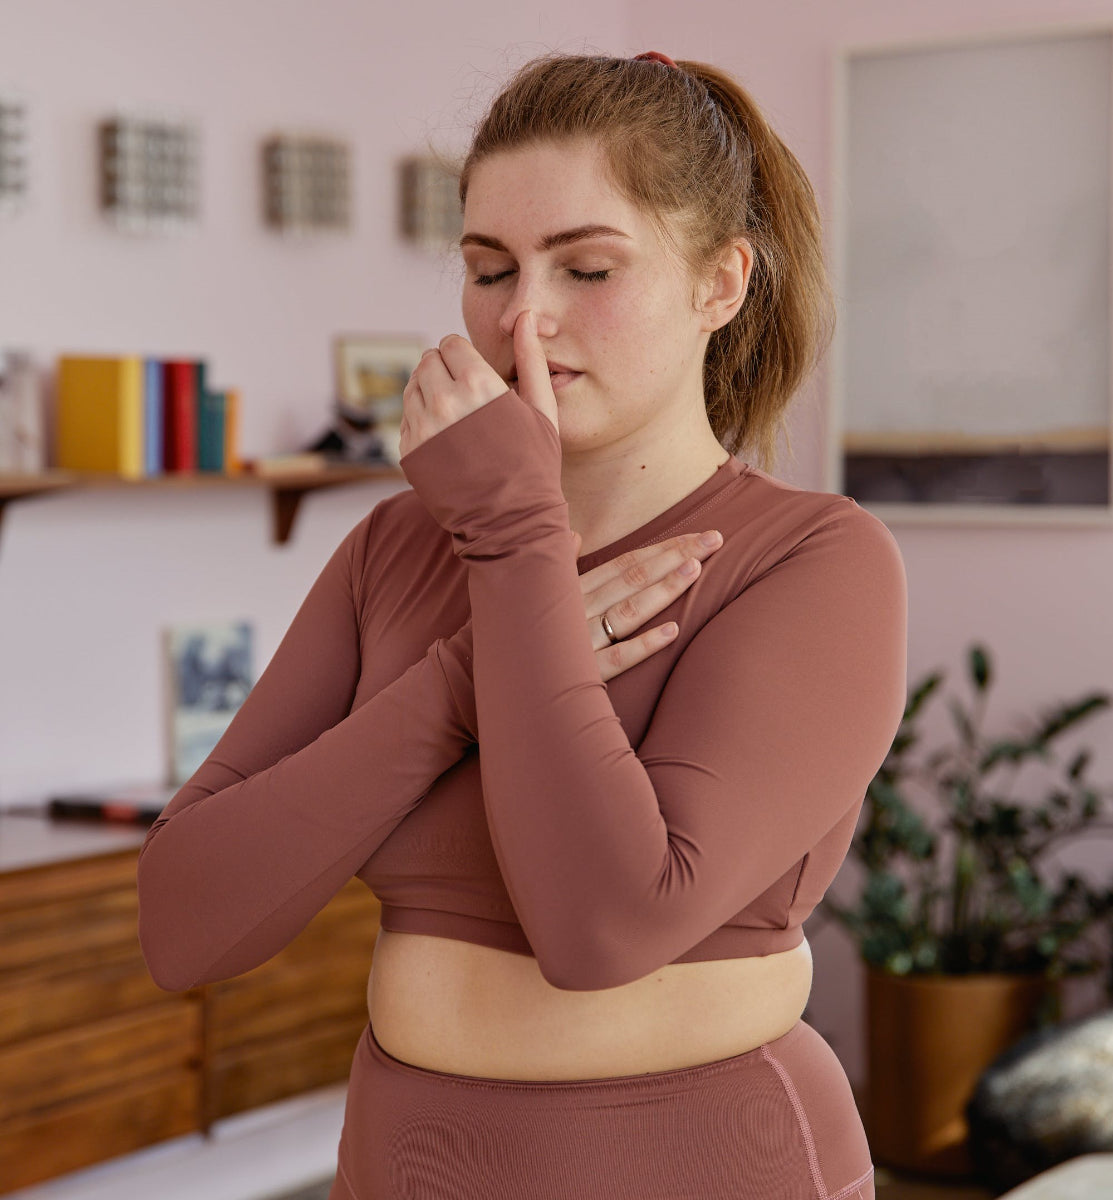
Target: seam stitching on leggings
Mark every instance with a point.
(347, 1179)
(801, 1120)
(843, 1193)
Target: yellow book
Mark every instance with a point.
(233, 464)
(100, 414)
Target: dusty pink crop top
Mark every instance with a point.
(695, 807)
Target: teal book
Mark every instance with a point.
(211, 413)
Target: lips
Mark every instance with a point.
(554, 369)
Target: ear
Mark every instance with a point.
(726, 289)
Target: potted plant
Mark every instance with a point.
(962, 928)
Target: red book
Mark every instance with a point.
(179, 392)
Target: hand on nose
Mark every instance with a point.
(534, 385)
(446, 385)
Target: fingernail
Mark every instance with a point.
(712, 538)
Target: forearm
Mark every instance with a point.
(238, 865)
(574, 818)
(562, 786)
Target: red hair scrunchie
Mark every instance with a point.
(656, 56)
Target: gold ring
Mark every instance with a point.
(612, 637)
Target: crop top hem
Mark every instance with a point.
(730, 941)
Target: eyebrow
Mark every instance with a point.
(550, 241)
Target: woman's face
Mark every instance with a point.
(544, 229)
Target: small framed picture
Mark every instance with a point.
(372, 371)
(208, 674)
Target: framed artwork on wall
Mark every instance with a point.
(150, 172)
(971, 375)
(209, 672)
(307, 183)
(372, 371)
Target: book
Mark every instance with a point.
(179, 406)
(208, 676)
(152, 416)
(233, 464)
(210, 431)
(100, 414)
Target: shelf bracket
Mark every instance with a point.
(285, 501)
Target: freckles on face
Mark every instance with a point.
(544, 229)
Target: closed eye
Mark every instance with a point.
(580, 276)
(487, 280)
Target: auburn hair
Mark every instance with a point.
(691, 149)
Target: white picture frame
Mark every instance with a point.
(208, 674)
(971, 224)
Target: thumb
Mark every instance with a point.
(534, 385)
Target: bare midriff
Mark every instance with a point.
(466, 1009)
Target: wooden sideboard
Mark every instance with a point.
(96, 1061)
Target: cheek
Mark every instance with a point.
(631, 325)
(613, 316)
(481, 315)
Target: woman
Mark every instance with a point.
(594, 853)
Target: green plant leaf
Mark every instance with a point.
(979, 667)
(1060, 719)
(1079, 764)
(962, 722)
(1007, 751)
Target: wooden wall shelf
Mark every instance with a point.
(287, 488)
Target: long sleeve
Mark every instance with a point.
(303, 786)
(774, 718)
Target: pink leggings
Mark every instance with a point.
(776, 1123)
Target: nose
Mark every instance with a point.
(528, 293)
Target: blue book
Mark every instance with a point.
(152, 416)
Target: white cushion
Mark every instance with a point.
(1088, 1177)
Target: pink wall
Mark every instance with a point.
(1040, 598)
(86, 582)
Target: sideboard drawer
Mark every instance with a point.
(279, 1003)
(74, 1063)
(52, 930)
(68, 880)
(124, 1118)
(84, 988)
(249, 1075)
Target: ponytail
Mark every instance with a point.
(756, 363)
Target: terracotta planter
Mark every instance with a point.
(928, 1039)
